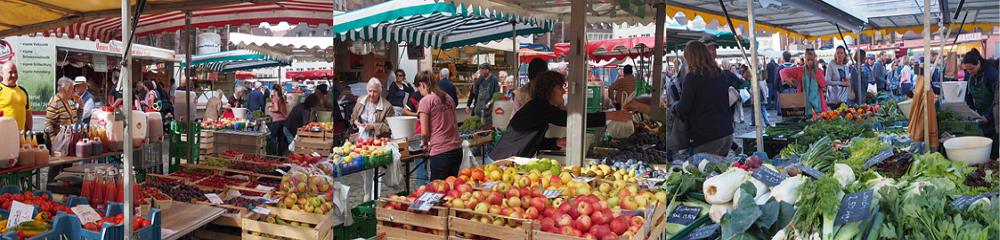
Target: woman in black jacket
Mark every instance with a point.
(704, 105)
(526, 131)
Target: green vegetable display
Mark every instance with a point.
(821, 155)
(818, 204)
(861, 149)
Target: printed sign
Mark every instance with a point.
(552, 193)
(213, 198)
(854, 207)
(262, 210)
(19, 213)
(809, 171)
(426, 201)
(879, 158)
(6, 51)
(704, 232)
(264, 188)
(86, 213)
(488, 185)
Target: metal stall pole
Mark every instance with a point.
(754, 85)
(576, 119)
(517, 55)
(927, 70)
(126, 77)
(188, 44)
(658, 52)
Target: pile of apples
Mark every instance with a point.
(303, 159)
(591, 210)
(317, 127)
(369, 147)
(301, 192)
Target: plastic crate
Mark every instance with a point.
(67, 226)
(594, 98)
(185, 138)
(364, 223)
(115, 232)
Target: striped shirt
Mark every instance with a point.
(59, 113)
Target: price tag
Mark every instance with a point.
(315, 154)
(264, 188)
(768, 177)
(684, 215)
(854, 207)
(213, 198)
(552, 193)
(426, 201)
(262, 210)
(964, 201)
(86, 213)
(583, 179)
(809, 171)
(704, 232)
(19, 213)
(879, 158)
(488, 185)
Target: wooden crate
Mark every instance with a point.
(435, 219)
(658, 223)
(311, 134)
(460, 223)
(322, 230)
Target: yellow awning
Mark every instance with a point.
(29, 16)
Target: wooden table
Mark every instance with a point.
(183, 218)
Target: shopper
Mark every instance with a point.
(255, 100)
(878, 71)
(371, 110)
(152, 98)
(482, 92)
(398, 91)
(214, 105)
(707, 113)
(523, 95)
(892, 77)
(300, 115)
(420, 173)
(623, 87)
(335, 93)
(860, 81)
(981, 95)
(81, 89)
(808, 79)
(838, 80)
(278, 110)
(437, 120)
(446, 85)
(323, 92)
(906, 76)
(525, 134)
(772, 82)
(60, 111)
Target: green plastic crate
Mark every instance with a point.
(364, 223)
(594, 98)
(185, 141)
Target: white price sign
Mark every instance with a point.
(264, 188)
(19, 213)
(583, 179)
(214, 198)
(426, 201)
(552, 193)
(86, 213)
(488, 185)
(262, 210)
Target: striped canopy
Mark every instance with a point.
(311, 12)
(432, 23)
(236, 60)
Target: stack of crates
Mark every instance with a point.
(184, 143)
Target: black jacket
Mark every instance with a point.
(526, 132)
(705, 107)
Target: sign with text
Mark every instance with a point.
(552, 193)
(426, 201)
(86, 213)
(214, 198)
(768, 177)
(19, 213)
(684, 215)
(879, 158)
(854, 207)
(704, 232)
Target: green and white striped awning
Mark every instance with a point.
(432, 23)
(236, 60)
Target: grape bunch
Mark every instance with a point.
(641, 169)
(647, 156)
(185, 193)
(243, 203)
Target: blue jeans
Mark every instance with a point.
(763, 112)
(420, 172)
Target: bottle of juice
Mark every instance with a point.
(98, 187)
(88, 184)
(137, 195)
(120, 193)
(110, 190)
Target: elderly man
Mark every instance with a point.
(446, 85)
(256, 99)
(61, 111)
(81, 90)
(13, 98)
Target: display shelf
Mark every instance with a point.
(436, 219)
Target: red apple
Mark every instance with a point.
(525, 191)
(583, 223)
(513, 192)
(464, 188)
(600, 217)
(563, 219)
(420, 191)
(548, 212)
(584, 208)
(555, 181)
(494, 209)
(609, 236)
(588, 236)
(506, 211)
(536, 192)
(478, 174)
(599, 230)
(465, 172)
(539, 202)
(569, 231)
(531, 213)
(454, 194)
(495, 198)
(638, 221)
(514, 202)
(548, 225)
(619, 225)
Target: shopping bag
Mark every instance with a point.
(394, 174)
(468, 159)
(744, 95)
(792, 100)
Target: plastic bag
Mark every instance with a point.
(62, 142)
(468, 159)
(621, 129)
(394, 173)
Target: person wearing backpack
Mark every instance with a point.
(980, 96)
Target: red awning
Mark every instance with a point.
(527, 54)
(311, 12)
(245, 75)
(612, 48)
(309, 74)
(561, 49)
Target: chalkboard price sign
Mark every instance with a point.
(684, 215)
(854, 207)
(768, 177)
(704, 232)
(812, 172)
(879, 158)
